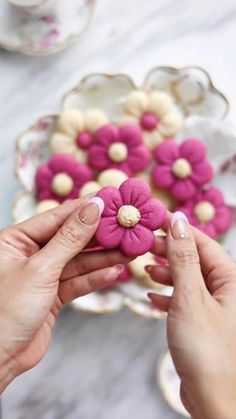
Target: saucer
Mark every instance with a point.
(169, 384)
(42, 35)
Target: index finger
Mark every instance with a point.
(42, 227)
(211, 253)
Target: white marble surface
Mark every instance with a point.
(104, 366)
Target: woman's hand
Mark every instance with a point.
(201, 318)
(41, 269)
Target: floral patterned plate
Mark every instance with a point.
(41, 35)
(169, 383)
(109, 93)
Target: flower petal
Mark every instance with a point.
(131, 135)
(223, 219)
(43, 177)
(170, 124)
(160, 103)
(81, 174)
(70, 122)
(98, 158)
(214, 196)
(153, 214)
(162, 177)
(112, 200)
(62, 143)
(107, 134)
(137, 241)
(203, 173)
(183, 189)
(193, 150)
(138, 159)
(61, 163)
(128, 120)
(94, 119)
(167, 152)
(123, 167)
(208, 229)
(109, 233)
(134, 192)
(136, 103)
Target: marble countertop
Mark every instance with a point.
(105, 366)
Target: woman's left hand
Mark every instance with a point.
(41, 269)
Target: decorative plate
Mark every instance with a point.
(196, 96)
(41, 35)
(169, 383)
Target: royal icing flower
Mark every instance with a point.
(181, 169)
(75, 132)
(208, 212)
(154, 112)
(119, 148)
(109, 177)
(61, 178)
(129, 218)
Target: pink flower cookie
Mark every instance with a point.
(119, 148)
(61, 178)
(129, 218)
(155, 114)
(181, 169)
(208, 212)
(74, 133)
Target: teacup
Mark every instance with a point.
(34, 7)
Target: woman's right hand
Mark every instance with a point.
(201, 318)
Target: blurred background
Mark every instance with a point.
(104, 366)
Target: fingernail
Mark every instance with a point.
(148, 268)
(99, 202)
(179, 225)
(120, 268)
(90, 213)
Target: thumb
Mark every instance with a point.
(183, 255)
(73, 236)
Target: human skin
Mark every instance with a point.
(41, 269)
(201, 321)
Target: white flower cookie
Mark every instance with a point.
(75, 130)
(154, 112)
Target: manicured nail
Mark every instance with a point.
(179, 225)
(149, 268)
(120, 268)
(99, 202)
(90, 212)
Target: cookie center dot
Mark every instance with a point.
(204, 211)
(181, 168)
(62, 184)
(118, 152)
(128, 216)
(149, 121)
(84, 139)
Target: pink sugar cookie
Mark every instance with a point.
(181, 169)
(129, 218)
(61, 178)
(119, 148)
(208, 212)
